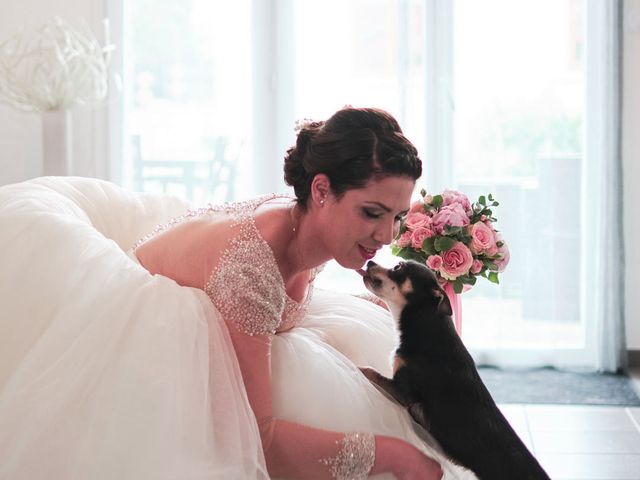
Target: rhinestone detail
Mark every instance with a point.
(246, 286)
(355, 459)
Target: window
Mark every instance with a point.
(495, 95)
(188, 113)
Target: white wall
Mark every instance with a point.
(21, 133)
(21, 150)
(631, 166)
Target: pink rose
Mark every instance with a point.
(456, 261)
(434, 262)
(483, 239)
(416, 220)
(452, 197)
(417, 207)
(476, 266)
(418, 236)
(404, 240)
(504, 254)
(452, 215)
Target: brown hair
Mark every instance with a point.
(352, 147)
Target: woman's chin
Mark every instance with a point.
(351, 263)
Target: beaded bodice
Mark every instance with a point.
(246, 285)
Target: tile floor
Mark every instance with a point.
(581, 442)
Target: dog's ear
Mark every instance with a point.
(444, 306)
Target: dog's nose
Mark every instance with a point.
(371, 263)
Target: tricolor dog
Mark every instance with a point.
(435, 377)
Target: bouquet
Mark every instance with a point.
(454, 238)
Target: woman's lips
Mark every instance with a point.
(367, 253)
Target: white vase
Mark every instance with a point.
(57, 143)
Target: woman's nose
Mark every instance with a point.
(385, 233)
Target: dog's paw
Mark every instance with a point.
(370, 373)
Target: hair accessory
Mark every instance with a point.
(300, 124)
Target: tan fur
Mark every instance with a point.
(394, 296)
(398, 362)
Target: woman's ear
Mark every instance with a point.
(320, 189)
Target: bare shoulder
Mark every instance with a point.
(188, 252)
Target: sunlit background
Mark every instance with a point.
(492, 93)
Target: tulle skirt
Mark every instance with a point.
(109, 372)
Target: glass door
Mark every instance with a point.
(518, 122)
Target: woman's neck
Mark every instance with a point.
(305, 250)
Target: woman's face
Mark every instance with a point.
(365, 219)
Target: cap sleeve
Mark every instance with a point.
(246, 288)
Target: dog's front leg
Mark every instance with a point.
(386, 384)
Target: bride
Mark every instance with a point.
(205, 352)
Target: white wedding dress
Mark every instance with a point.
(108, 372)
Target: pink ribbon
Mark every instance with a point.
(456, 306)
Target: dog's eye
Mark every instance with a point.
(397, 267)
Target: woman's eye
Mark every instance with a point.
(371, 214)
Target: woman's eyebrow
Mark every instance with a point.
(381, 205)
(387, 209)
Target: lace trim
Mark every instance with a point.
(355, 459)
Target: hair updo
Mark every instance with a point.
(352, 147)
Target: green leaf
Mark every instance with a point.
(428, 246)
(490, 265)
(482, 200)
(449, 230)
(442, 244)
(457, 285)
(423, 192)
(437, 201)
(395, 249)
(490, 197)
(493, 277)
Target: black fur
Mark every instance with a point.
(440, 385)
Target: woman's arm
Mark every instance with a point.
(297, 451)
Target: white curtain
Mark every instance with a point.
(603, 258)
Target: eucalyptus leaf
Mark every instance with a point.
(437, 201)
(493, 277)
